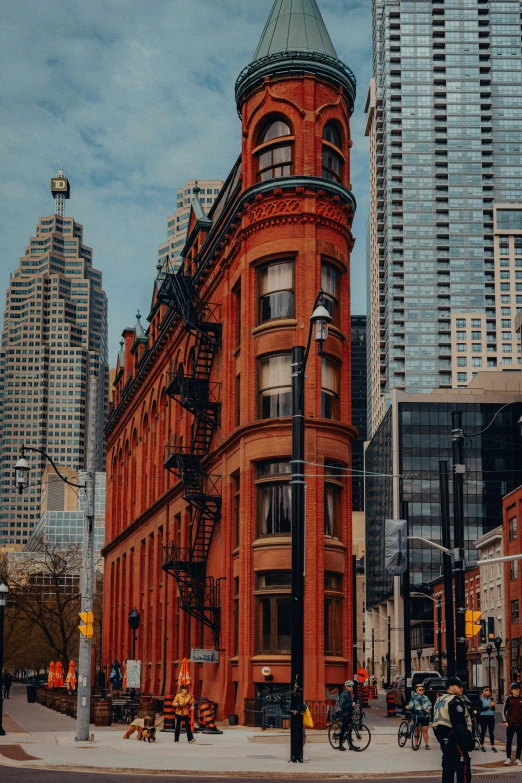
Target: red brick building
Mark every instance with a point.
(512, 537)
(199, 439)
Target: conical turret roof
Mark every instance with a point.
(295, 26)
(295, 41)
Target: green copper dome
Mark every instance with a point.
(297, 26)
(295, 41)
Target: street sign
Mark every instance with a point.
(362, 675)
(133, 674)
(204, 656)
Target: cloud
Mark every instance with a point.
(132, 99)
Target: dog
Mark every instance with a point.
(148, 734)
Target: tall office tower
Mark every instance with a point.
(54, 345)
(445, 128)
(359, 407)
(178, 222)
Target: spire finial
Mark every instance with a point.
(121, 343)
(138, 315)
(196, 189)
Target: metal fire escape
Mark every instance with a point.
(193, 389)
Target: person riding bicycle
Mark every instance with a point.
(453, 728)
(346, 707)
(420, 705)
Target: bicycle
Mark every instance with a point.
(357, 734)
(410, 729)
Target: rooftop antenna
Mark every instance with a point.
(61, 189)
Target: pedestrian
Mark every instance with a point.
(452, 728)
(346, 707)
(421, 706)
(7, 682)
(512, 717)
(181, 704)
(487, 719)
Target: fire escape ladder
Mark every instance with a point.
(193, 389)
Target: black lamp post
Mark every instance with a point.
(319, 321)
(134, 623)
(489, 650)
(3, 601)
(497, 641)
(419, 656)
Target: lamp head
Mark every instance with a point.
(419, 652)
(3, 593)
(134, 620)
(497, 641)
(22, 474)
(320, 318)
(489, 649)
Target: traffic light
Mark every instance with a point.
(88, 619)
(473, 625)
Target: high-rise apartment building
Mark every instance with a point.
(54, 345)
(177, 226)
(444, 119)
(359, 408)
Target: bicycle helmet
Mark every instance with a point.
(348, 683)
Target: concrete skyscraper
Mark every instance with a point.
(444, 119)
(54, 344)
(177, 227)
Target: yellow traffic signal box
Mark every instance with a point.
(473, 626)
(87, 629)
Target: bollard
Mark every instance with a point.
(169, 716)
(391, 710)
(211, 727)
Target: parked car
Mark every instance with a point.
(434, 687)
(398, 686)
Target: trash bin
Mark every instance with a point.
(31, 694)
(233, 720)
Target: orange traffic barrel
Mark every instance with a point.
(169, 716)
(391, 709)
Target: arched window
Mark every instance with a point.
(274, 151)
(332, 157)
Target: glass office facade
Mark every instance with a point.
(493, 468)
(448, 133)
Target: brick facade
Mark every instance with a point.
(512, 537)
(304, 219)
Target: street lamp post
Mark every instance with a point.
(134, 624)
(319, 321)
(3, 601)
(489, 650)
(419, 656)
(497, 641)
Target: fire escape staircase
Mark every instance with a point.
(193, 389)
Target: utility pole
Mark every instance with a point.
(459, 469)
(373, 654)
(439, 632)
(447, 567)
(298, 555)
(388, 656)
(87, 579)
(407, 609)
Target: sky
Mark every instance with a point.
(132, 99)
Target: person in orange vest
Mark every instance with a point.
(181, 704)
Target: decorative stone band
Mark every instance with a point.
(295, 63)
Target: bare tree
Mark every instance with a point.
(44, 602)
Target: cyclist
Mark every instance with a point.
(346, 707)
(421, 706)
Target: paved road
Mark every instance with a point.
(11, 775)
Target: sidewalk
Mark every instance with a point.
(38, 737)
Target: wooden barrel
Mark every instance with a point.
(103, 712)
(64, 701)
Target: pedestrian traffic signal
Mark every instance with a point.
(473, 625)
(87, 629)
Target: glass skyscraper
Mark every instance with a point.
(444, 120)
